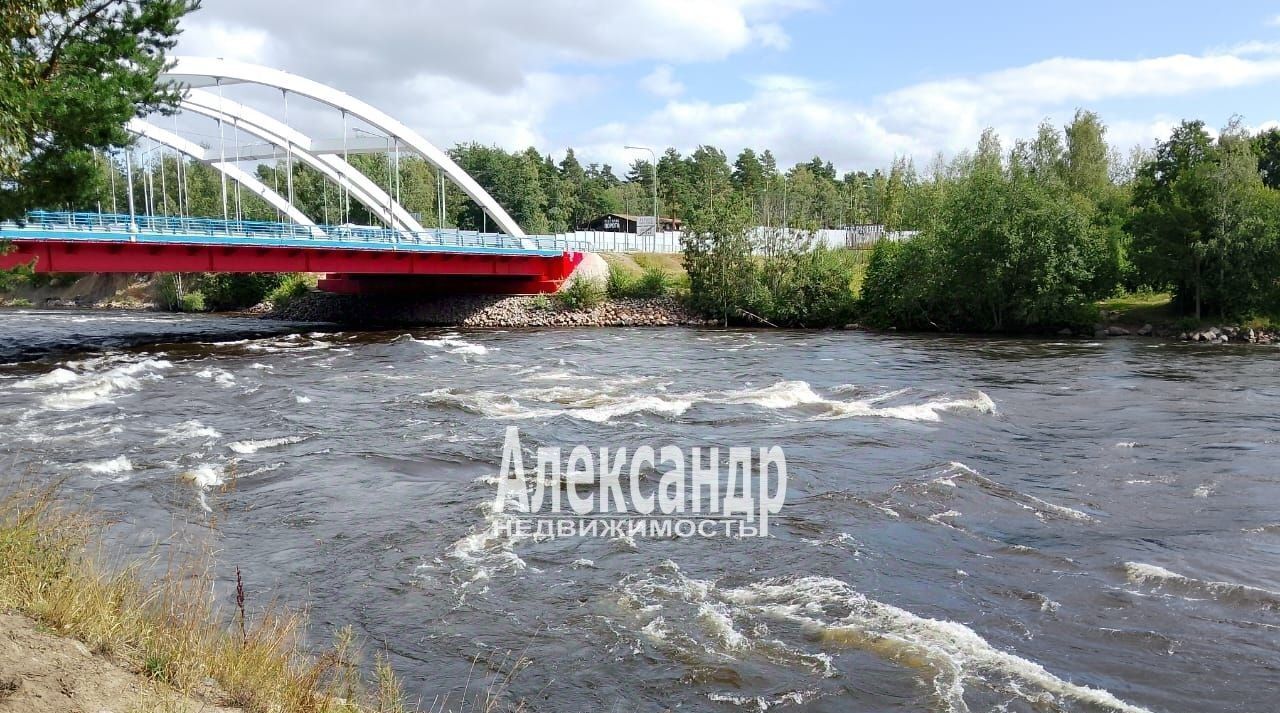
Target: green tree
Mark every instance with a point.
(1267, 146)
(71, 74)
(718, 257)
(1087, 166)
(1191, 201)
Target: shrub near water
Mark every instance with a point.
(653, 282)
(291, 287)
(580, 294)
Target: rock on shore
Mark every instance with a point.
(485, 311)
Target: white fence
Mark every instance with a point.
(668, 241)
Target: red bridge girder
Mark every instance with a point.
(350, 270)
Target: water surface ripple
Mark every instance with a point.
(971, 524)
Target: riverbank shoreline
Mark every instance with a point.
(83, 630)
(321, 311)
(487, 311)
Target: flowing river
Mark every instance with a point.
(970, 524)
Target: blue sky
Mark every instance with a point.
(856, 82)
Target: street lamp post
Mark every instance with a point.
(654, 156)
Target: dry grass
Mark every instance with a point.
(170, 631)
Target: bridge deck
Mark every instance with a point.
(356, 255)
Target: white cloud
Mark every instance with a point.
(495, 70)
(662, 82)
(229, 41)
(493, 43)
(482, 70)
(798, 118)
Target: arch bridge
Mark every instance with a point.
(399, 255)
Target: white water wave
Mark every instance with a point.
(67, 389)
(605, 403)
(221, 377)
(451, 343)
(951, 654)
(596, 407)
(1226, 592)
(117, 466)
(1042, 508)
(691, 618)
(248, 447)
(187, 431)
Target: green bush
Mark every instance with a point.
(232, 291)
(653, 283)
(580, 294)
(542, 303)
(191, 302)
(20, 302)
(16, 278)
(291, 287)
(796, 285)
(620, 283)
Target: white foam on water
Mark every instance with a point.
(221, 377)
(762, 703)
(114, 466)
(949, 653)
(715, 619)
(302, 399)
(204, 476)
(1227, 592)
(629, 405)
(57, 377)
(82, 431)
(91, 388)
(1203, 491)
(451, 343)
(671, 610)
(939, 517)
(187, 431)
(782, 395)
(290, 344)
(792, 394)
(489, 547)
(596, 407)
(248, 447)
(928, 411)
(1127, 444)
(605, 403)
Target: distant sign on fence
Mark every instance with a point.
(646, 226)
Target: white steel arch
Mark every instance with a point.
(232, 171)
(254, 122)
(221, 69)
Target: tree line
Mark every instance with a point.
(1016, 237)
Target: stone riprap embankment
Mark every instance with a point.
(486, 311)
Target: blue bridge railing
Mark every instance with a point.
(113, 226)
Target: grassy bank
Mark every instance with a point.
(168, 630)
